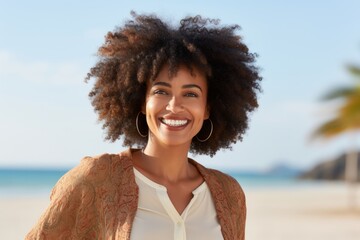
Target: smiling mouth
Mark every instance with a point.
(174, 122)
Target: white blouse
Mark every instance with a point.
(157, 219)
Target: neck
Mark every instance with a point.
(169, 163)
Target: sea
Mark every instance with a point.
(35, 182)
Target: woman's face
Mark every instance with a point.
(176, 108)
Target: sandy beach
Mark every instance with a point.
(306, 213)
(312, 213)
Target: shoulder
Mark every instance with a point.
(218, 180)
(73, 209)
(101, 162)
(227, 182)
(229, 199)
(93, 170)
(224, 186)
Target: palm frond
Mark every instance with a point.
(338, 93)
(354, 70)
(348, 114)
(351, 108)
(330, 129)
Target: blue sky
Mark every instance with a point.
(46, 49)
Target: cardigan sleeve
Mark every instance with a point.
(71, 212)
(232, 206)
(238, 208)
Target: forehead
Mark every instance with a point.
(182, 74)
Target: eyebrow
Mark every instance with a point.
(165, 84)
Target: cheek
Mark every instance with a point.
(200, 112)
(205, 109)
(152, 106)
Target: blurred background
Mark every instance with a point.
(298, 162)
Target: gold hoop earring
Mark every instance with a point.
(211, 131)
(137, 126)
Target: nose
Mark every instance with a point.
(174, 105)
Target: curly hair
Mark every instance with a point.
(134, 54)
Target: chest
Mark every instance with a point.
(158, 218)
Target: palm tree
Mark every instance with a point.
(347, 119)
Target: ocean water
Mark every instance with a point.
(30, 182)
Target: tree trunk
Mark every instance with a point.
(351, 176)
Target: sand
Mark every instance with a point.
(306, 213)
(315, 213)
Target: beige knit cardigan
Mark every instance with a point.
(98, 199)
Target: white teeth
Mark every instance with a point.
(174, 123)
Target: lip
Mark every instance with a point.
(174, 123)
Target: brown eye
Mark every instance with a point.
(191, 94)
(159, 91)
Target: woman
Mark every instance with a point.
(168, 91)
